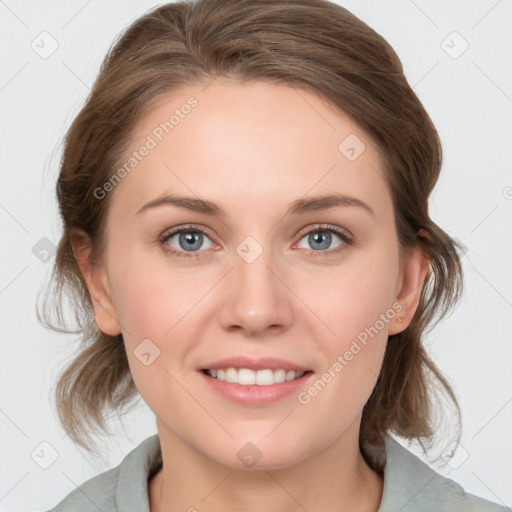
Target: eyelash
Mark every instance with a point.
(346, 239)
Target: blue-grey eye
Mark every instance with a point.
(320, 240)
(188, 241)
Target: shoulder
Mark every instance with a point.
(96, 494)
(121, 488)
(411, 485)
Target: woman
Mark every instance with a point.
(280, 346)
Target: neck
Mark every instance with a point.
(336, 478)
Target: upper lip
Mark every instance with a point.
(253, 363)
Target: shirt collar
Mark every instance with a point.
(406, 479)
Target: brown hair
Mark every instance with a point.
(310, 44)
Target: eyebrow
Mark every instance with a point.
(303, 205)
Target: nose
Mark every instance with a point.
(257, 298)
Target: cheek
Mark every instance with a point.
(152, 296)
(354, 297)
(167, 306)
(159, 310)
(355, 304)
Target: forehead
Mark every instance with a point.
(252, 144)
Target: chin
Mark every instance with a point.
(258, 453)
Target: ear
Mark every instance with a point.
(96, 279)
(409, 287)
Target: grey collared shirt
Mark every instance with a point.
(409, 485)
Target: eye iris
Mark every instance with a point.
(187, 241)
(319, 237)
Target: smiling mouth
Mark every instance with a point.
(247, 377)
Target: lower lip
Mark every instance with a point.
(255, 395)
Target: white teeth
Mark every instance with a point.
(231, 375)
(265, 377)
(248, 377)
(290, 375)
(279, 375)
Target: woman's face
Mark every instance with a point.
(277, 278)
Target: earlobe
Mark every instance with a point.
(95, 277)
(415, 272)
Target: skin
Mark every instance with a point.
(254, 148)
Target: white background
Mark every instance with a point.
(469, 100)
